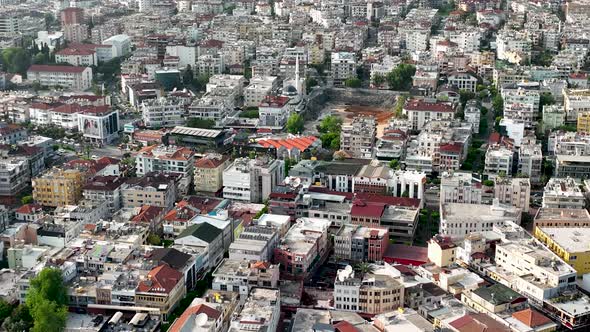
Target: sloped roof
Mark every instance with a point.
(174, 258)
(531, 318)
(161, 279)
(204, 231)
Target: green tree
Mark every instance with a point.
(378, 80)
(498, 104)
(310, 82)
(465, 96)
(188, 76)
(330, 124)
(353, 82)
(27, 199)
(20, 320)
(16, 60)
(401, 77)
(546, 98)
(394, 164)
(364, 268)
(46, 300)
(200, 123)
(154, 239)
(6, 310)
(295, 124)
(488, 183)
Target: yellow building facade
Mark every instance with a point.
(571, 244)
(58, 187)
(584, 123)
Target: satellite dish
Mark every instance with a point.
(348, 268)
(296, 182)
(201, 319)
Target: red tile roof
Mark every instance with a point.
(274, 101)
(345, 326)
(161, 279)
(369, 197)
(182, 212)
(75, 51)
(193, 311)
(59, 69)
(531, 318)
(210, 162)
(96, 110)
(147, 214)
(301, 143)
(68, 109)
(402, 253)
(451, 147)
(422, 106)
(29, 208)
(478, 323)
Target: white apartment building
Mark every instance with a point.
(463, 81)
(163, 112)
(241, 276)
(530, 161)
(420, 112)
(252, 180)
(513, 191)
(260, 312)
(411, 182)
(121, 45)
(15, 175)
(513, 46)
(165, 158)
(274, 111)
(472, 115)
(74, 78)
(358, 137)
(343, 67)
(533, 270)
(258, 89)
(77, 57)
(65, 116)
(553, 116)
(568, 143)
(211, 107)
(460, 187)
(458, 220)
(521, 105)
(563, 193)
(498, 160)
(99, 123)
(187, 55)
(575, 101)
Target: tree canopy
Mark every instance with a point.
(47, 301)
(401, 77)
(295, 124)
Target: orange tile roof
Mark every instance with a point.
(29, 208)
(193, 311)
(531, 318)
(301, 143)
(161, 279)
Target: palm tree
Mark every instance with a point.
(363, 269)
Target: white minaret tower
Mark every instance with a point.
(297, 85)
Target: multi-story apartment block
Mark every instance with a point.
(460, 187)
(155, 189)
(305, 240)
(241, 276)
(530, 161)
(406, 183)
(163, 112)
(513, 191)
(99, 124)
(360, 243)
(521, 104)
(59, 187)
(104, 188)
(498, 160)
(458, 220)
(371, 294)
(163, 289)
(563, 193)
(15, 174)
(258, 89)
(554, 217)
(12, 133)
(260, 312)
(513, 46)
(463, 81)
(255, 243)
(572, 166)
(77, 57)
(274, 111)
(569, 243)
(575, 101)
(472, 115)
(215, 106)
(252, 180)
(553, 117)
(209, 173)
(343, 67)
(75, 78)
(420, 112)
(358, 137)
(583, 124)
